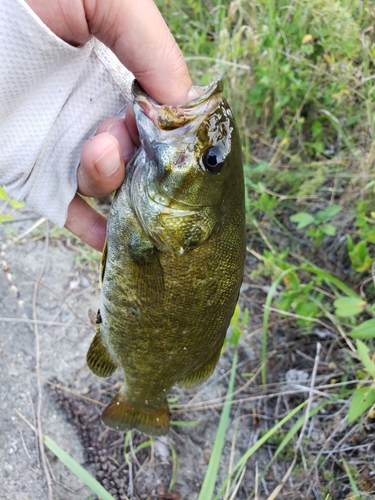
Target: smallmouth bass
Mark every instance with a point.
(174, 258)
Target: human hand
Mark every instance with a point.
(138, 35)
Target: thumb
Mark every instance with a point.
(138, 35)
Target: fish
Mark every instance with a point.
(174, 257)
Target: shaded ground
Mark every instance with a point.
(64, 297)
(73, 398)
(40, 282)
(64, 303)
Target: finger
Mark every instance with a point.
(65, 18)
(102, 167)
(135, 31)
(131, 125)
(86, 223)
(138, 35)
(118, 128)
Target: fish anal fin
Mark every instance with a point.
(98, 359)
(122, 416)
(202, 373)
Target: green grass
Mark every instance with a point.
(77, 469)
(299, 76)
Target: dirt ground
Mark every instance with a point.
(46, 293)
(61, 303)
(45, 299)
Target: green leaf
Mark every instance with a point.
(16, 204)
(3, 195)
(349, 306)
(326, 214)
(360, 257)
(294, 281)
(362, 400)
(363, 353)
(245, 317)
(236, 315)
(77, 469)
(4, 218)
(236, 323)
(329, 229)
(308, 309)
(318, 236)
(318, 146)
(234, 336)
(266, 203)
(303, 219)
(350, 243)
(316, 129)
(365, 330)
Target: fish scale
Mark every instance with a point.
(174, 257)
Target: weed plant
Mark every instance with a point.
(300, 78)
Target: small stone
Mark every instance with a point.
(85, 282)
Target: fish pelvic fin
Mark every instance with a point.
(202, 373)
(123, 416)
(98, 358)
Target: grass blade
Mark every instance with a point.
(185, 423)
(214, 463)
(174, 467)
(351, 478)
(77, 469)
(329, 277)
(242, 461)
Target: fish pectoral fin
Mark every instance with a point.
(202, 373)
(149, 275)
(122, 416)
(190, 230)
(98, 359)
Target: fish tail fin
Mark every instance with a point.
(122, 416)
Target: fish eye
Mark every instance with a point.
(213, 160)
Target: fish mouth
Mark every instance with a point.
(169, 117)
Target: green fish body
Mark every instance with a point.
(174, 258)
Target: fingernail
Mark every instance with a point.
(109, 161)
(192, 94)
